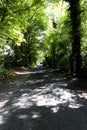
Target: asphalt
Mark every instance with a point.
(44, 102)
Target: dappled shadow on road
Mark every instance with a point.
(11, 84)
(45, 103)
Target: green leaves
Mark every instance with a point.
(28, 23)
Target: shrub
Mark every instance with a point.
(3, 72)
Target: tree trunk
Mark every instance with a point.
(53, 50)
(76, 36)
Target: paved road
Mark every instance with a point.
(44, 102)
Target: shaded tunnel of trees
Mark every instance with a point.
(53, 32)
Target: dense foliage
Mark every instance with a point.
(52, 32)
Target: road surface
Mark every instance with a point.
(44, 102)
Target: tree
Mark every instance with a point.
(18, 18)
(75, 17)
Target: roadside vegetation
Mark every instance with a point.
(46, 31)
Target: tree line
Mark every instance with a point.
(48, 31)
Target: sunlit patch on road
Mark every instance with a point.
(49, 96)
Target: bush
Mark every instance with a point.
(3, 72)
